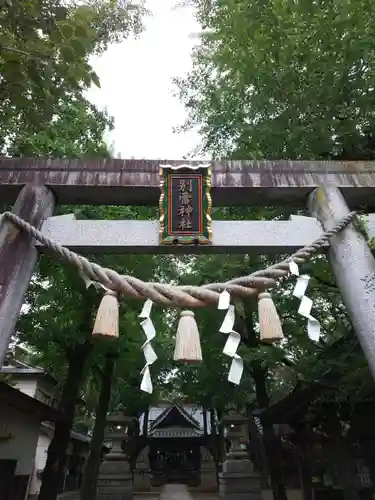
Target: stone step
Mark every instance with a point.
(175, 492)
(69, 495)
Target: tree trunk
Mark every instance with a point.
(305, 475)
(256, 448)
(220, 436)
(366, 444)
(271, 442)
(341, 454)
(53, 474)
(212, 422)
(204, 411)
(90, 476)
(145, 423)
(272, 445)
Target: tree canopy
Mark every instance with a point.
(44, 54)
(286, 79)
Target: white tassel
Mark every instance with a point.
(188, 345)
(269, 321)
(107, 317)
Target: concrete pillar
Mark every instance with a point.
(238, 480)
(142, 473)
(353, 266)
(115, 480)
(208, 483)
(18, 256)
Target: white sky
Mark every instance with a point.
(136, 85)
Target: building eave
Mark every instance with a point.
(74, 435)
(14, 398)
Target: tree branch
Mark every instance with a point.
(18, 51)
(324, 282)
(98, 371)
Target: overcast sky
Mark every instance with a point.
(136, 85)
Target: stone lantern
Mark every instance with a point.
(236, 433)
(115, 480)
(118, 424)
(238, 481)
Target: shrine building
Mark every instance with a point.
(178, 448)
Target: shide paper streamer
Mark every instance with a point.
(148, 351)
(313, 325)
(233, 340)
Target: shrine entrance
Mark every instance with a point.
(329, 190)
(175, 461)
(175, 438)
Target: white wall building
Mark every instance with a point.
(28, 407)
(20, 420)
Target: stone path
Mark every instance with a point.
(175, 492)
(169, 494)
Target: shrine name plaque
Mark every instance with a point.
(185, 205)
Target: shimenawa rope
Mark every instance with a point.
(182, 296)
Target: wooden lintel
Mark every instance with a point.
(132, 237)
(136, 182)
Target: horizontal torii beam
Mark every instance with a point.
(228, 237)
(136, 182)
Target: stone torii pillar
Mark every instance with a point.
(353, 266)
(18, 257)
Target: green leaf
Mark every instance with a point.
(14, 73)
(11, 56)
(67, 54)
(95, 79)
(78, 47)
(56, 36)
(34, 74)
(67, 31)
(80, 31)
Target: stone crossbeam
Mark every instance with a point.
(132, 237)
(136, 182)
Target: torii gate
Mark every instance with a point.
(327, 188)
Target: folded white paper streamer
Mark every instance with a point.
(88, 282)
(313, 325)
(228, 322)
(230, 349)
(148, 351)
(233, 340)
(224, 301)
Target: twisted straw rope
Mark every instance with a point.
(182, 296)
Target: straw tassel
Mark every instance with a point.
(269, 321)
(107, 317)
(188, 344)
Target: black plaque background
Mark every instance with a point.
(196, 202)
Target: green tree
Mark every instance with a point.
(78, 129)
(284, 79)
(44, 54)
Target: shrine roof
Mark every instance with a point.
(18, 368)
(187, 418)
(175, 415)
